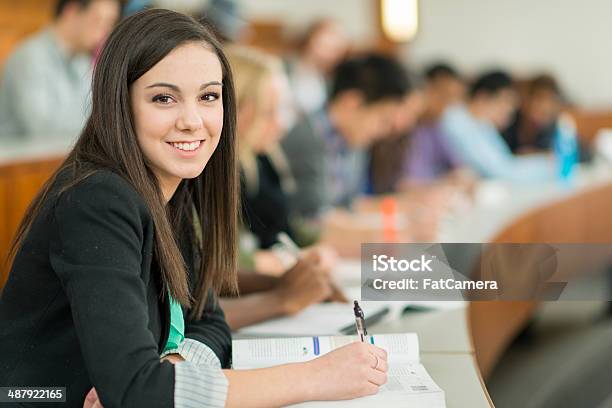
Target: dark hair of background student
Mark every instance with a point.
(377, 77)
(440, 70)
(491, 83)
(108, 140)
(544, 83)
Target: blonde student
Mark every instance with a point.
(112, 294)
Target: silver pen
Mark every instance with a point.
(360, 321)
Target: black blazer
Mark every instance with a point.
(265, 211)
(82, 306)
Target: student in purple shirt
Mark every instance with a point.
(429, 156)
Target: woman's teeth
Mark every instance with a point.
(188, 147)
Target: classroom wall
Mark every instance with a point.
(356, 16)
(569, 38)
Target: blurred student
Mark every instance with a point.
(134, 6)
(387, 155)
(264, 170)
(259, 81)
(321, 48)
(472, 131)
(533, 127)
(226, 19)
(327, 152)
(101, 294)
(429, 157)
(45, 84)
(266, 178)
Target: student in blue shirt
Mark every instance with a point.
(472, 132)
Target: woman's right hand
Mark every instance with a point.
(351, 371)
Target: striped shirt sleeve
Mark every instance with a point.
(199, 381)
(199, 386)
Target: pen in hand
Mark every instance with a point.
(360, 321)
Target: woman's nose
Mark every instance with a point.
(190, 119)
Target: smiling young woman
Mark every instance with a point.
(116, 266)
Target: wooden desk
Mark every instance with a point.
(457, 374)
(545, 213)
(439, 331)
(24, 167)
(447, 352)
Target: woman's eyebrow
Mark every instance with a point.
(207, 84)
(177, 89)
(164, 85)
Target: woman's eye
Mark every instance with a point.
(163, 99)
(210, 97)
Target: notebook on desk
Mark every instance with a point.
(324, 318)
(408, 382)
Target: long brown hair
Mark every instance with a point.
(108, 140)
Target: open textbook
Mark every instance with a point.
(408, 385)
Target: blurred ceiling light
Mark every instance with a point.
(400, 19)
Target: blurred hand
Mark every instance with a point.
(327, 258)
(325, 255)
(268, 263)
(304, 284)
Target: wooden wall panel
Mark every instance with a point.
(4, 239)
(269, 36)
(598, 206)
(25, 183)
(19, 184)
(20, 18)
(589, 122)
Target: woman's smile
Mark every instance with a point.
(186, 148)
